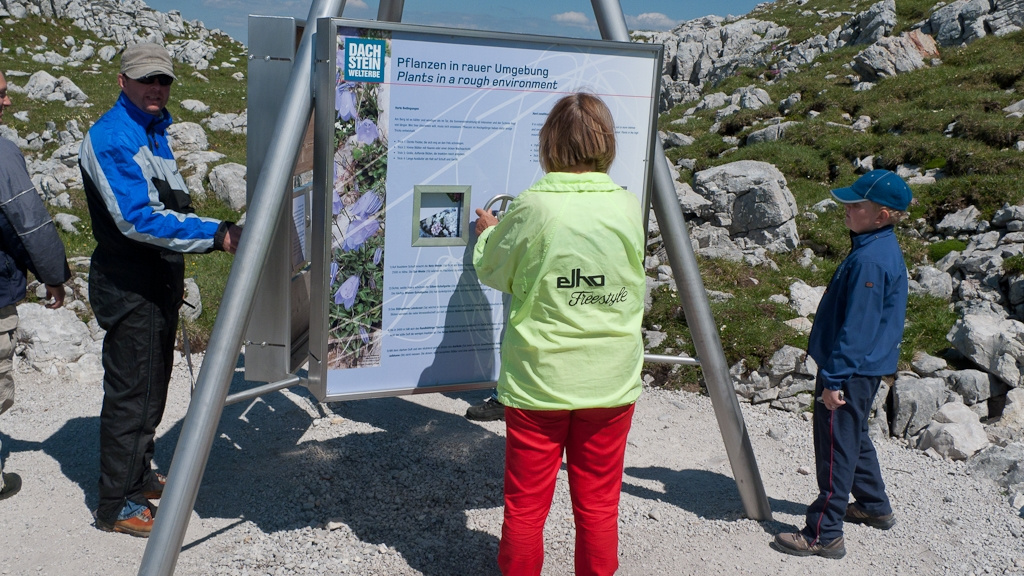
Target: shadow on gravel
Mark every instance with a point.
(76, 448)
(410, 479)
(707, 494)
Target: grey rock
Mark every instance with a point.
(915, 400)
(933, 282)
(228, 183)
(1013, 411)
(993, 343)
(752, 201)
(187, 137)
(804, 298)
(52, 335)
(955, 433)
(195, 106)
(926, 364)
(958, 22)
(976, 386)
(793, 385)
(769, 134)
(786, 106)
(66, 222)
(962, 221)
(674, 139)
(890, 56)
(871, 25)
(193, 305)
(1002, 464)
(785, 362)
(235, 123)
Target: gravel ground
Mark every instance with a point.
(406, 485)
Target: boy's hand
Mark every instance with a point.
(832, 399)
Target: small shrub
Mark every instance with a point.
(938, 250)
(1014, 264)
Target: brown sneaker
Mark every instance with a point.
(139, 525)
(156, 493)
(795, 544)
(856, 515)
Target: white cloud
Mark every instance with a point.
(651, 21)
(357, 4)
(578, 19)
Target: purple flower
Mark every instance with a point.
(346, 294)
(366, 131)
(367, 205)
(377, 255)
(364, 335)
(336, 204)
(334, 271)
(345, 101)
(357, 233)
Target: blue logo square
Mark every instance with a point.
(364, 60)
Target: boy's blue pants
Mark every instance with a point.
(845, 460)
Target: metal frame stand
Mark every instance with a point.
(692, 296)
(210, 397)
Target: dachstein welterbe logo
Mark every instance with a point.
(364, 60)
(584, 297)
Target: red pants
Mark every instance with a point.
(594, 441)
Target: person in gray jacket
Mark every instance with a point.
(28, 241)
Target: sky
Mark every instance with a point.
(573, 18)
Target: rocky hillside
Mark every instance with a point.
(761, 116)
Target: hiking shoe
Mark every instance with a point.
(12, 484)
(141, 524)
(486, 411)
(795, 544)
(856, 515)
(155, 493)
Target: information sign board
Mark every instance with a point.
(416, 128)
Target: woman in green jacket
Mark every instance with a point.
(570, 252)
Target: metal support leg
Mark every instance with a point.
(207, 404)
(390, 10)
(693, 297)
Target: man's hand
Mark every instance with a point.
(231, 238)
(56, 293)
(484, 220)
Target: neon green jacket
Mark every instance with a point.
(570, 251)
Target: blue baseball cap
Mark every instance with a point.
(881, 187)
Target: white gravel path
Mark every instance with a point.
(408, 486)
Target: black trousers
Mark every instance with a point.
(138, 354)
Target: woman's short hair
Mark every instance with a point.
(579, 131)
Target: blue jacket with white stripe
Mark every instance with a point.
(141, 210)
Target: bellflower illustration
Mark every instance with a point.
(367, 205)
(363, 335)
(345, 101)
(334, 271)
(377, 255)
(357, 233)
(346, 294)
(366, 131)
(336, 204)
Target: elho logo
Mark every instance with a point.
(364, 60)
(577, 279)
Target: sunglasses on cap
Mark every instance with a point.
(163, 79)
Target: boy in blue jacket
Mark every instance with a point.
(855, 341)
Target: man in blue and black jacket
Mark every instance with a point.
(28, 241)
(143, 222)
